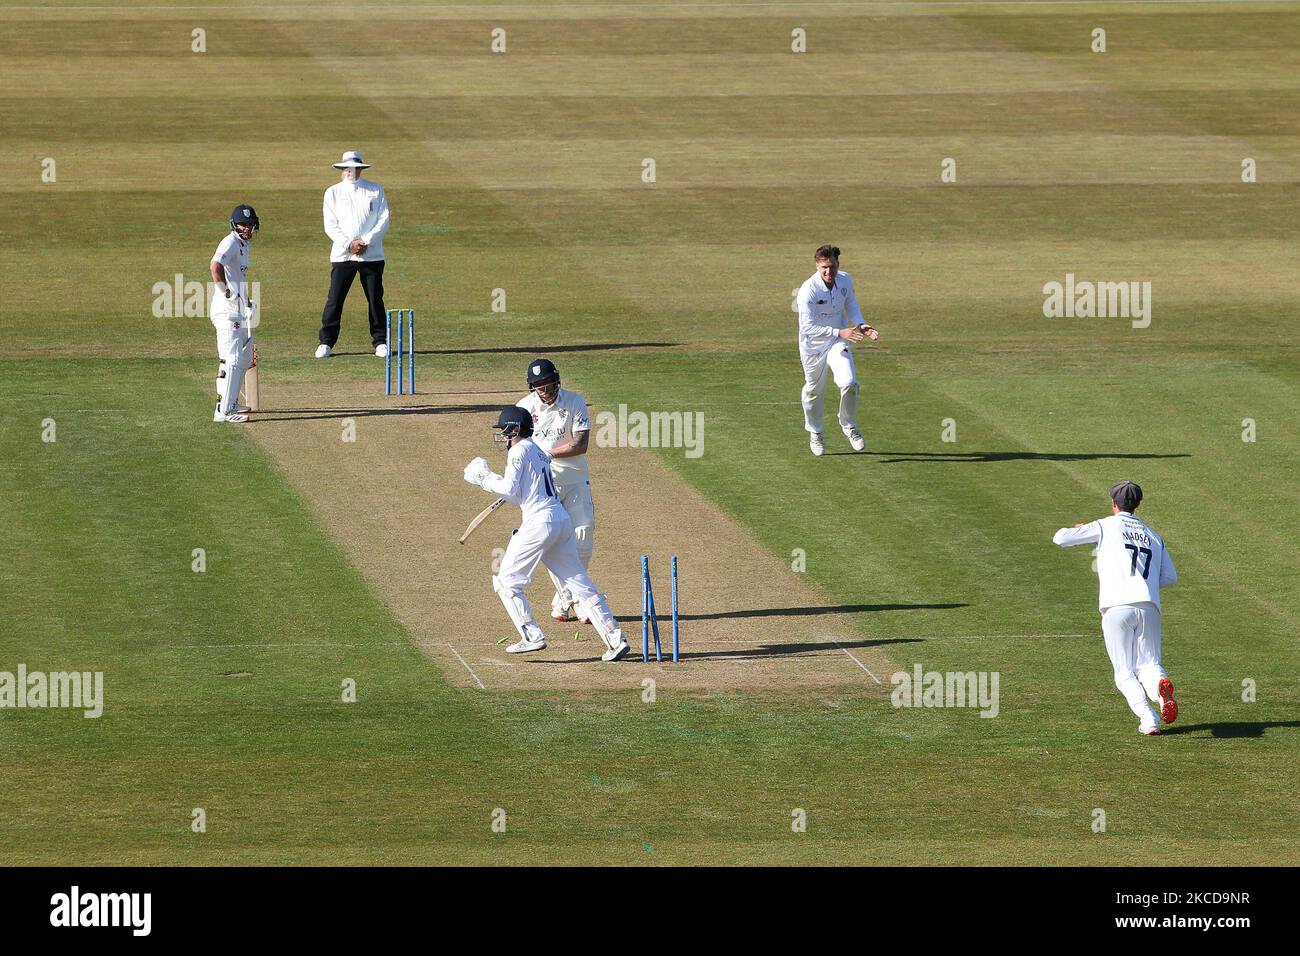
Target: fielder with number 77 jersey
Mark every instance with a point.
(545, 536)
(1132, 566)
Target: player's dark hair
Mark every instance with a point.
(827, 252)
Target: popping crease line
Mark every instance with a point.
(468, 668)
(856, 661)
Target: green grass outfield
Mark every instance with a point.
(522, 172)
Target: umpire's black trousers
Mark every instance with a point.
(372, 283)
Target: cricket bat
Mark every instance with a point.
(250, 393)
(250, 390)
(480, 518)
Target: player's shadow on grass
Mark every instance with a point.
(793, 611)
(738, 653)
(975, 457)
(808, 611)
(309, 414)
(524, 349)
(549, 349)
(773, 650)
(1233, 730)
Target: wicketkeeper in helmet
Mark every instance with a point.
(561, 428)
(231, 311)
(544, 536)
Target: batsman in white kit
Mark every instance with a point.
(545, 536)
(830, 322)
(231, 312)
(1132, 566)
(562, 429)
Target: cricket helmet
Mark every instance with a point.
(542, 370)
(513, 422)
(245, 216)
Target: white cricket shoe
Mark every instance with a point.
(242, 409)
(816, 444)
(855, 438)
(524, 645)
(236, 418)
(381, 350)
(323, 351)
(562, 614)
(614, 653)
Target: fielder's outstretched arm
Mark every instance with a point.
(1089, 533)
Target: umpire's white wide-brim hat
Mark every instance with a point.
(351, 160)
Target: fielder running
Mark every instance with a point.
(1132, 566)
(825, 302)
(545, 536)
(231, 312)
(562, 428)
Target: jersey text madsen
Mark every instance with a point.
(1137, 536)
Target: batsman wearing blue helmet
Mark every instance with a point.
(231, 311)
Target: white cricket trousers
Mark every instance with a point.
(551, 542)
(836, 362)
(576, 498)
(235, 350)
(1132, 633)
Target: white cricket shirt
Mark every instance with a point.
(823, 312)
(232, 254)
(1132, 561)
(528, 483)
(563, 418)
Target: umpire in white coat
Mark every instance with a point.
(356, 218)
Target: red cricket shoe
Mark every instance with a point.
(1168, 706)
